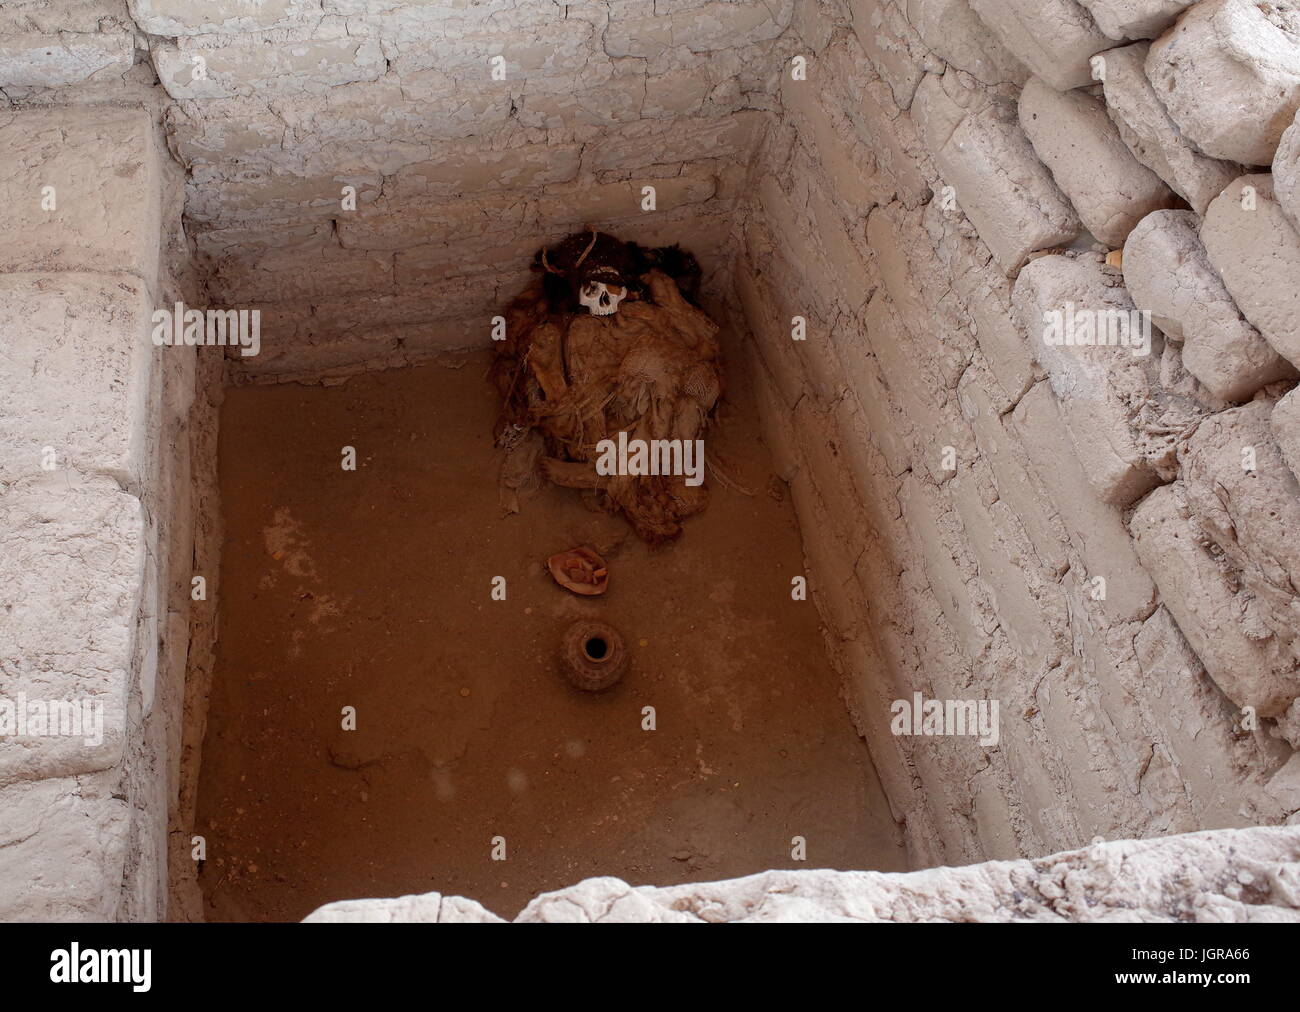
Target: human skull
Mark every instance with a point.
(592, 270)
(601, 299)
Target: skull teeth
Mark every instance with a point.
(600, 301)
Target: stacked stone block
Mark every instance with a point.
(1066, 529)
(87, 492)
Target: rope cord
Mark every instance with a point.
(547, 265)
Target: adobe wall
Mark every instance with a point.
(95, 511)
(987, 513)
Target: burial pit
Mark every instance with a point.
(967, 330)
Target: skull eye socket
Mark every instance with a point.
(600, 297)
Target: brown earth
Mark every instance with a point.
(372, 589)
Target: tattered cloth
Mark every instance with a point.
(651, 370)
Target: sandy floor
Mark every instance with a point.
(371, 589)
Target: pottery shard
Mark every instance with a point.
(580, 570)
(1229, 74)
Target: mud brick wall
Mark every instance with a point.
(1224, 876)
(377, 176)
(94, 489)
(1069, 530)
(1102, 541)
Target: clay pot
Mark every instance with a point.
(593, 655)
(580, 570)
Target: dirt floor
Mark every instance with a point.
(372, 589)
